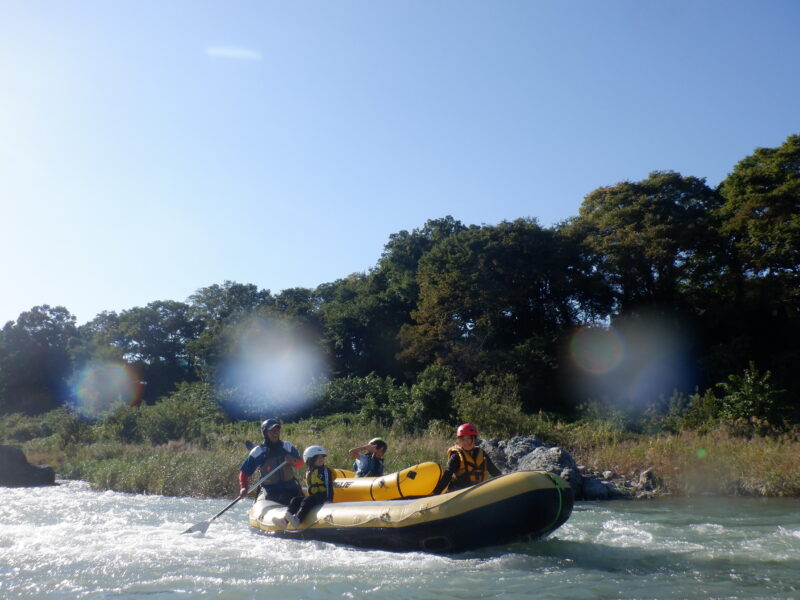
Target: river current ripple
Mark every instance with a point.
(70, 541)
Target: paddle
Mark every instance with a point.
(202, 527)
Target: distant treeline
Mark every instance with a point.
(460, 305)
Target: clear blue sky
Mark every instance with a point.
(151, 148)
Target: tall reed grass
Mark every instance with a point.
(686, 463)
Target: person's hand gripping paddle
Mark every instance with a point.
(202, 527)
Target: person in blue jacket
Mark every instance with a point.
(369, 458)
(282, 486)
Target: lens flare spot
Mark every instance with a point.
(702, 453)
(271, 369)
(102, 387)
(597, 351)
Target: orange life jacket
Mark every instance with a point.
(471, 470)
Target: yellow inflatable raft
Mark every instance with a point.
(522, 504)
(419, 480)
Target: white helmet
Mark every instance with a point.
(313, 451)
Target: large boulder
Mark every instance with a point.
(506, 454)
(16, 471)
(528, 452)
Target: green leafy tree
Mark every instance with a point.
(362, 314)
(762, 216)
(497, 298)
(761, 221)
(402, 254)
(654, 240)
(153, 339)
(190, 413)
(36, 359)
(219, 307)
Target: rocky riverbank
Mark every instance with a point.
(531, 453)
(16, 471)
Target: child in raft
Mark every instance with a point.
(369, 458)
(319, 480)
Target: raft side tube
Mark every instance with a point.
(413, 482)
(522, 504)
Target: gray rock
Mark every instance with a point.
(594, 489)
(530, 453)
(506, 454)
(553, 460)
(16, 471)
(648, 482)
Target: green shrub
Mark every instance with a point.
(493, 404)
(750, 396)
(386, 403)
(121, 425)
(432, 397)
(17, 427)
(665, 415)
(189, 413)
(345, 395)
(702, 413)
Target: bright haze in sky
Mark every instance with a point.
(148, 149)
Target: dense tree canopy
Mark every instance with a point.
(35, 359)
(653, 239)
(452, 312)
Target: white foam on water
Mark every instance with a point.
(73, 542)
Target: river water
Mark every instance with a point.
(72, 542)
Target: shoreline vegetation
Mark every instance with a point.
(204, 458)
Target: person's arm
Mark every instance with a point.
(295, 461)
(453, 463)
(293, 456)
(249, 466)
(490, 466)
(356, 452)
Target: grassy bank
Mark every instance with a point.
(210, 469)
(718, 463)
(686, 463)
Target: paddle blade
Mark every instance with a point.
(201, 527)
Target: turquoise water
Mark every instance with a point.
(72, 542)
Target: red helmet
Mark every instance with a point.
(467, 429)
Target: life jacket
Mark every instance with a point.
(471, 470)
(372, 468)
(276, 454)
(320, 482)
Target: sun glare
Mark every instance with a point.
(271, 369)
(102, 387)
(635, 362)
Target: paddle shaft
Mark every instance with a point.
(250, 489)
(204, 524)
